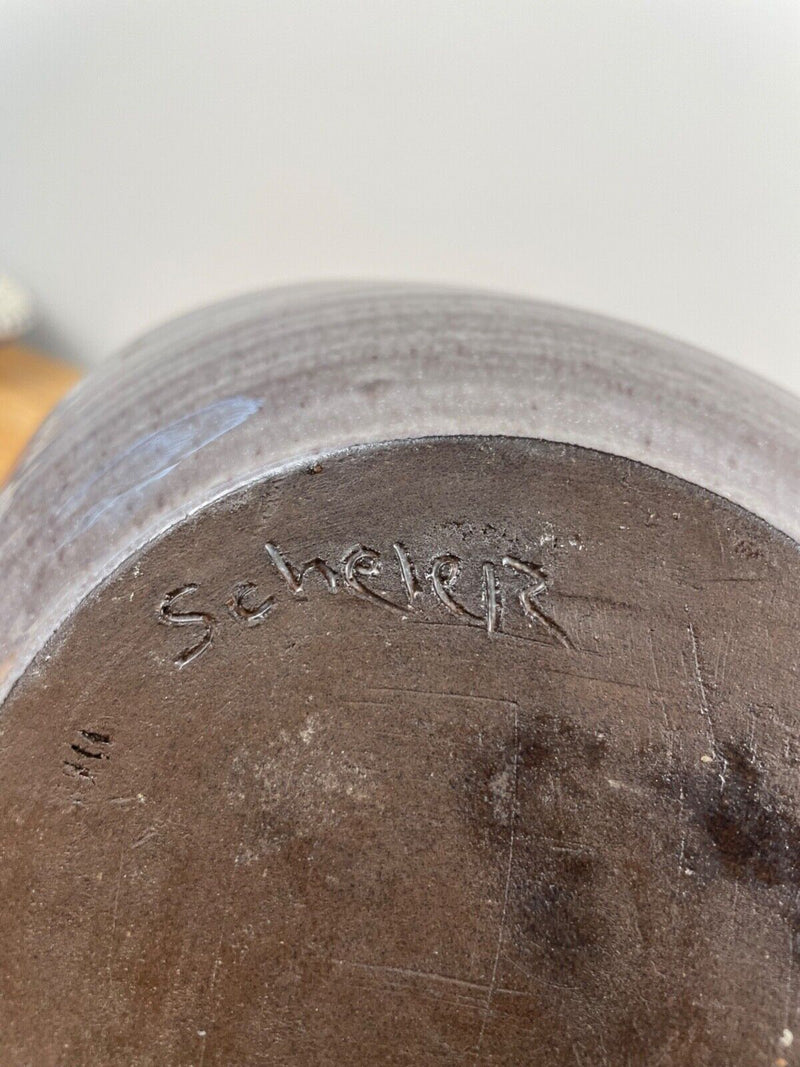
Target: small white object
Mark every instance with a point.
(786, 1039)
(16, 309)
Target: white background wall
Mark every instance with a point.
(639, 158)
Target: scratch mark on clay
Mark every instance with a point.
(506, 890)
(653, 660)
(438, 693)
(151, 458)
(722, 661)
(681, 850)
(147, 836)
(705, 708)
(429, 976)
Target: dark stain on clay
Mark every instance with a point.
(750, 836)
(546, 776)
(609, 860)
(528, 757)
(536, 782)
(556, 901)
(572, 837)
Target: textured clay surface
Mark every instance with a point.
(507, 773)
